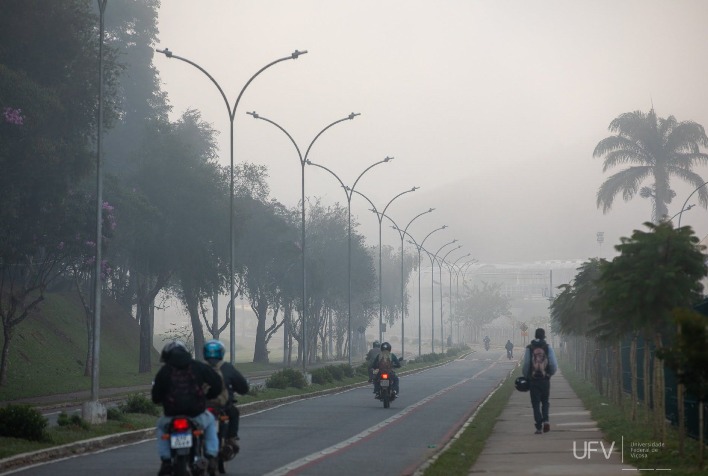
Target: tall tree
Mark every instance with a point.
(655, 272)
(654, 148)
(48, 101)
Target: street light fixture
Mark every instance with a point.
(452, 267)
(440, 263)
(403, 234)
(232, 115)
(380, 217)
(349, 192)
(433, 257)
(303, 162)
(420, 247)
(683, 208)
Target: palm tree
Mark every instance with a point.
(652, 147)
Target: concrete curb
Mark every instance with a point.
(76, 448)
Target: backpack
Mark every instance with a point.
(539, 361)
(185, 395)
(385, 363)
(223, 398)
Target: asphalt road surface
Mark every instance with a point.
(346, 433)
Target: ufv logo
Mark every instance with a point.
(590, 447)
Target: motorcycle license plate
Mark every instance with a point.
(180, 440)
(385, 383)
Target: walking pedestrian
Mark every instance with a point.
(539, 365)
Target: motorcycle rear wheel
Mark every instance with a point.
(385, 396)
(180, 466)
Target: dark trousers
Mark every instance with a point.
(540, 391)
(233, 414)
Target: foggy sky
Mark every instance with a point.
(493, 108)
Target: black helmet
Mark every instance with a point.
(377, 344)
(521, 384)
(169, 347)
(386, 346)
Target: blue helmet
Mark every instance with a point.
(213, 349)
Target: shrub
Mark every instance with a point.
(321, 376)
(74, 420)
(336, 371)
(347, 370)
(138, 403)
(286, 378)
(362, 369)
(22, 421)
(115, 413)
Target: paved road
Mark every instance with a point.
(344, 434)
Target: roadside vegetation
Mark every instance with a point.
(616, 422)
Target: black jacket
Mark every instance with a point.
(234, 380)
(204, 375)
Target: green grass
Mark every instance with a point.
(68, 434)
(461, 455)
(48, 351)
(616, 423)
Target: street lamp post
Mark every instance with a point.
(451, 268)
(92, 410)
(420, 247)
(349, 192)
(433, 257)
(380, 216)
(440, 263)
(683, 207)
(303, 162)
(232, 115)
(403, 234)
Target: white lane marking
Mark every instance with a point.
(305, 460)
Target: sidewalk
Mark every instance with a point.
(514, 449)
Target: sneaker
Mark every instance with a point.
(165, 468)
(546, 427)
(538, 432)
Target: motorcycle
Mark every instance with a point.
(386, 393)
(226, 451)
(186, 446)
(486, 345)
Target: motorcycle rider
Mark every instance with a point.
(185, 396)
(486, 342)
(371, 355)
(385, 359)
(235, 383)
(509, 349)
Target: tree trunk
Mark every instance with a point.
(633, 370)
(260, 351)
(145, 300)
(7, 334)
(646, 381)
(701, 436)
(191, 300)
(659, 388)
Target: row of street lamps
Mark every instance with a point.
(349, 193)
